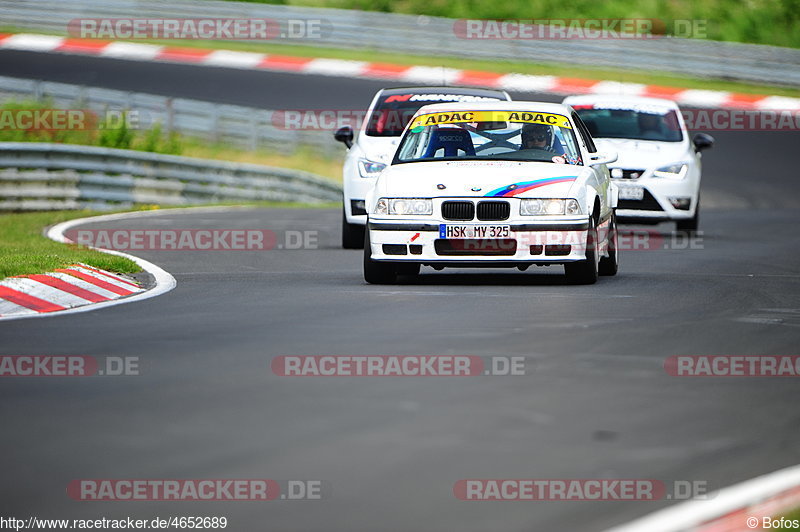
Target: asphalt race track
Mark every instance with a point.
(595, 402)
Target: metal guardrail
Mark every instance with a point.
(42, 176)
(435, 35)
(244, 127)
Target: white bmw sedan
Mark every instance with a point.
(493, 184)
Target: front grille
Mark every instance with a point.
(493, 210)
(647, 203)
(458, 210)
(468, 246)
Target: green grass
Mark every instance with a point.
(25, 250)
(793, 515)
(504, 67)
(772, 22)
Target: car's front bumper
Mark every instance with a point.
(555, 241)
(354, 203)
(656, 204)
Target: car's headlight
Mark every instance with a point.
(404, 206)
(538, 207)
(369, 168)
(672, 171)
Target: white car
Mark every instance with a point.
(388, 114)
(493, 184)
(658, 169)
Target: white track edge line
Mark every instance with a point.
(693, 513)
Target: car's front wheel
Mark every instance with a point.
(585, 271)
(610, 265)
(376, 272)
(352, 234)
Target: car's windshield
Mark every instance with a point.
(392, 112)
(490, 135)
(634, 122)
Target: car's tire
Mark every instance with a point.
(376, 272)
(585, 271)
(689, 227)
(610, 265)
(352, 234)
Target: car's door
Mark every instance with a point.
(600, 171)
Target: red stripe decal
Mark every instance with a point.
(70, 288)
(24, 300)
(97, 282)
(110, 276)
(520, 190)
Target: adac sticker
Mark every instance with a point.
(462, 117)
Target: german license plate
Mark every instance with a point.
(474, 231)
(629, 192)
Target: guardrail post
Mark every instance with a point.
(170, 116)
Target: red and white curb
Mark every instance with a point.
(388, 71)
(66, 288)
(78, 288)
(734, 509)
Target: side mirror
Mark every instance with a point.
(345, 134)
(702, 141)
(603, 158)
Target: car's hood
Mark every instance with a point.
(378, 149)
(478, 179)
(643, 154)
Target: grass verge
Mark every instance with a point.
(794, 515)
(25, 250)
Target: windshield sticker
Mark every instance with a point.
(461, 117)
(439, 98)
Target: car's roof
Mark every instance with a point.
(618, 101)
(471, 91)
(531, 107)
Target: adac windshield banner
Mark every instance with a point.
(462, 117)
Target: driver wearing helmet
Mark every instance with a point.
(540, 136)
